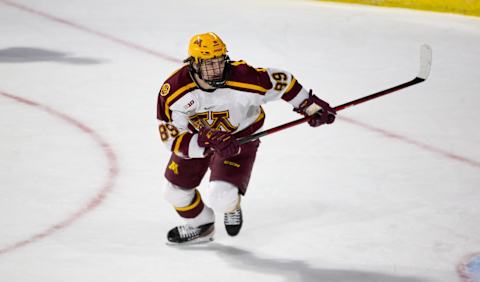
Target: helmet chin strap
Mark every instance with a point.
(202, 83)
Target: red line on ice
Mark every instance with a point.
(131, 45)
(77, 26)
(111, 156)
(418, 144)
(96, 200)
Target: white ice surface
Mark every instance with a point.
(340, 203)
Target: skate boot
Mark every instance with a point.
(233, 221)
(187, 234)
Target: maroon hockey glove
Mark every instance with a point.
(221, 142)
(319, 110)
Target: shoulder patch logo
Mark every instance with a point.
(165, 89)
(189, 104)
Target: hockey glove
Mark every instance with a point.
(220, 142)
(319, 110)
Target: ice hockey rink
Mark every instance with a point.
(388, 193)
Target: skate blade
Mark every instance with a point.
(200, 241)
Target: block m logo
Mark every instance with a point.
(214, 120)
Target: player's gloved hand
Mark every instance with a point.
(221, 142)
(319, 110)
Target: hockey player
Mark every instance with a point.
(203, 108)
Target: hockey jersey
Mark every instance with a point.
(183, 107)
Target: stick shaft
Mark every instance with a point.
(367, 98)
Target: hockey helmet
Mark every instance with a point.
(206, 46)
(208, 58)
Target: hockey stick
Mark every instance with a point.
(425, 64)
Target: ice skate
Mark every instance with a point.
(187, 234)
(233, 221)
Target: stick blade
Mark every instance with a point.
(425, 61)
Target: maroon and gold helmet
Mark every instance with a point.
(208, 58)
(206, 46)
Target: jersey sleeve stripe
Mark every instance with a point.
(177, 142)
(184, 145)
(290, 86)
(261, 115)
(292, 91)
(237, 63)
(247, 86)
(175, 95)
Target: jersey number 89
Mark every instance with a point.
(281, 79)
(167, 131)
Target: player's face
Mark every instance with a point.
(212, 69)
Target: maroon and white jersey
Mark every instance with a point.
(183, 107)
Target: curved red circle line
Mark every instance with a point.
(107, 187)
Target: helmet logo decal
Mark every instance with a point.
(198, 42)
(165, 89)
